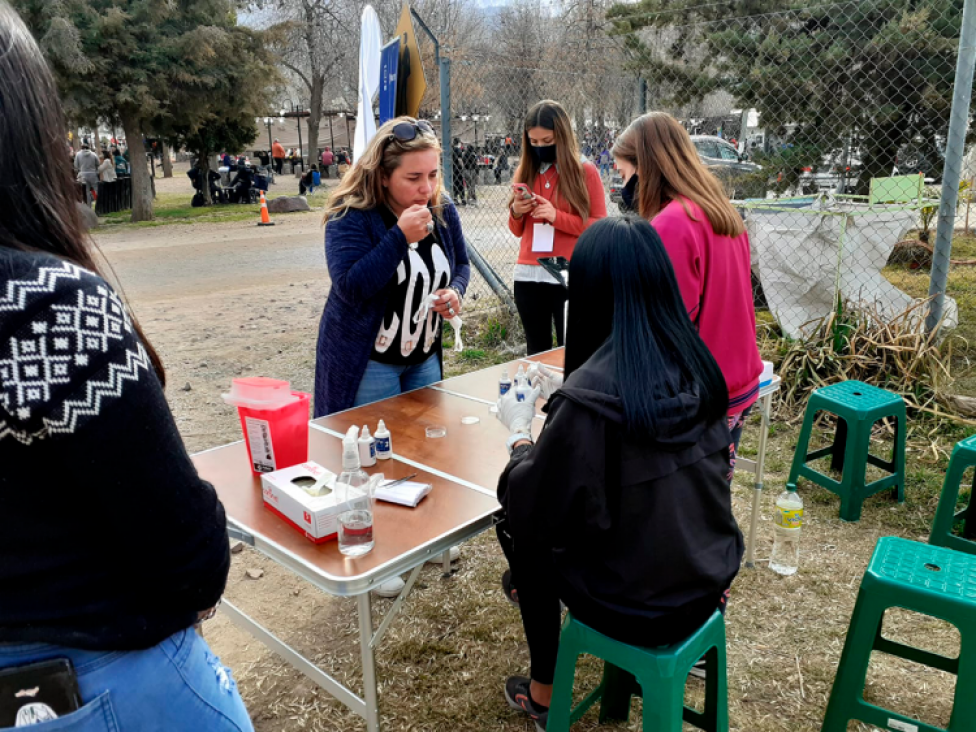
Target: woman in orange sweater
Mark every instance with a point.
(566, 197)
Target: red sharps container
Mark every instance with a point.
(274, 420)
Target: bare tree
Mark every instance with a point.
(311, 37)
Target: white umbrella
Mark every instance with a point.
(370, 47)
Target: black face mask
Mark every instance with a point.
(544, 153)
(628, 194)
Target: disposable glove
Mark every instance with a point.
(516, 415)
(548, 382)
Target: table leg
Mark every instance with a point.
(370, 692)
(766, 405)
(446, 563)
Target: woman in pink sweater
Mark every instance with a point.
(666, 183)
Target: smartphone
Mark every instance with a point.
(38, 692)
(523, 191)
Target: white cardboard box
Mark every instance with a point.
(314, 516)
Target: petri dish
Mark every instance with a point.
(470, 420)
(436, 430)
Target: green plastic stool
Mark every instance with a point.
(934, 581)
(657, 674)
(963, 456)
(859, 407)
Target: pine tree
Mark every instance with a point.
(150, 66)
(873, 75)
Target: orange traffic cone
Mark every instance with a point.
(265, 219)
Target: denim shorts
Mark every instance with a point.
(176, 686)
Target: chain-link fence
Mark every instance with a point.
(828, 124)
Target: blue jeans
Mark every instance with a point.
(381, 381)
(176, 686)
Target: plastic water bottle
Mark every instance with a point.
(785, 558)
(354, 490)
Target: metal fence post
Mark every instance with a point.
(446, 156)
(955, 150)
(641, 95)
(444, 69)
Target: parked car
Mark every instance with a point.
(728, 164)
(922, 155)
(616, 186)
(827, 176)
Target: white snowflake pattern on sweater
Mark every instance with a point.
(59, 363)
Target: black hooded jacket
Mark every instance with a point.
(638, 526)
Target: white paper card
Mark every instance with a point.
(542, 236)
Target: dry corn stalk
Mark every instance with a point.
(857, 342)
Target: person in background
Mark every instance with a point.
(342, 162)
(621, 508)
(328, 160)
(310, 181)
(666, 183)
(86, 167)
(501, 167)
(121, 166)
(106, 170)
(605, 163)
(213, 177)
(469, 160)
(241, 185)
(567, 196)
(93, 416)
(226, 160)
(387, 251)
(278, 155)
(457, 169)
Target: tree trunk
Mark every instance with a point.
(315, 119)
(203, 164)
(167, 163)
(142, 195)
(880, 149)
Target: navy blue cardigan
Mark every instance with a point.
(363, 255)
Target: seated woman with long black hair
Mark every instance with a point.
(622, 508)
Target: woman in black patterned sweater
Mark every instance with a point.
(92, 462)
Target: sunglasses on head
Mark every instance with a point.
(407, 131)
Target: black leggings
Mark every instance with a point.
(539, 305)
(535, 576)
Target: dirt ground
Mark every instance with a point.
(230, 299)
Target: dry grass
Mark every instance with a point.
(445, 659)
(443, 663)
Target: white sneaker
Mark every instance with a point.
(390, 589)
(439, 559)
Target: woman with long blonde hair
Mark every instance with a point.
(555, 197)
(392, 239)
(666, 183)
